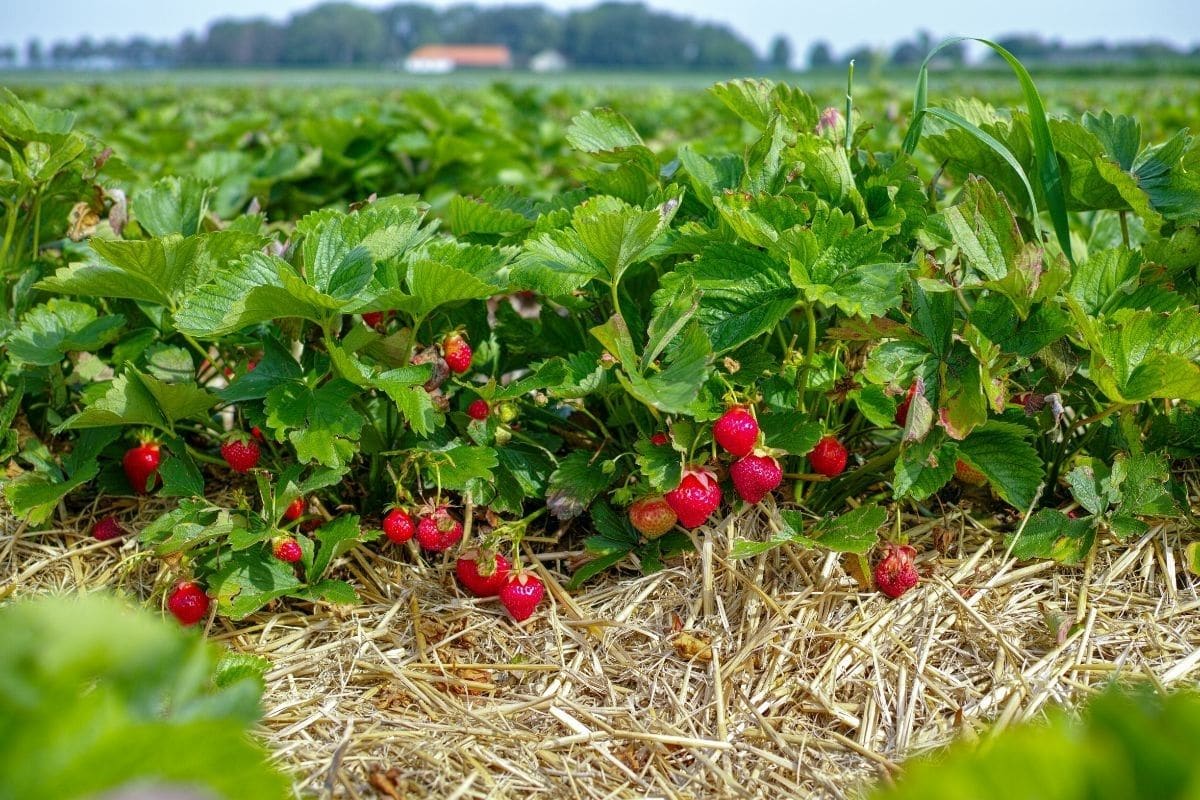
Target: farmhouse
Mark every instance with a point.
(441, 58)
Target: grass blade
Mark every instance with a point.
(1049, 176)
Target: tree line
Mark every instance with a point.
(611, 35)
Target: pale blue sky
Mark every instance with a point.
(843, 24)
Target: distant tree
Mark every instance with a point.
(820, 56)
(616, 34)
(8, 56)
(33, 53)
(410, 25)
(526, 30)
(253, 42)
(780, 54)
(1025, 46)
(335, 33)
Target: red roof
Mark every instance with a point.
(466, 55)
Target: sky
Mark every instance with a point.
(843, 24)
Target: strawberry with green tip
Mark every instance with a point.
(188, 602)
(241, 453)
(521, 593)
(968, 474)
(652, 516)
(141, 465)
(482, 573)
(287, 550)
(829, 457)
(736, 431)
(696, 497)
(457, 353)
(755, 476)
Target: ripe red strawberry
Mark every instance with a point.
(521, 594)
(828, 458)
(696, 498)
(241, 454)
(755, 477)
(107, 529)
(457, 353)
(439, 531)
(482, 580)
(287, 549)
(659, 439)
(968, 474)
(478, 410)
(256, 432)
(902, 406)
(398, 526)
(736, 431)
(652, 515)
(141, 464)
(375, 318)
(295, 509)
(188, 602)
(896, 572)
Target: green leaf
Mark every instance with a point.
(147, 692)
(616, 234)
(995, 317)
(1141, 355)
(856, 531)
(743, 293)
(320, 423)
(258, 288)
(1086, 490)
(674, 389)
(837, 264)
(993, 252)
(181, 477)
(577, 481)
(661, 465)
(1010, 463)
(477, 215)
(609, 137)
(138, 399)
(249, 579)
(1052, 534)
(923, 467)
(1143, 483)
(163, 271)
(458, 467)
(172, 206)
(34, 496)
(276, 366)
(749, 98)
(790, 431)
(405, 386)
(49, 331)
(334, 539)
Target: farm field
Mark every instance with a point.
(608, 436)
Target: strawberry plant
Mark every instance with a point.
(99, 699)
(626, 351)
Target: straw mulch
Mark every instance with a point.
(775, 676)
